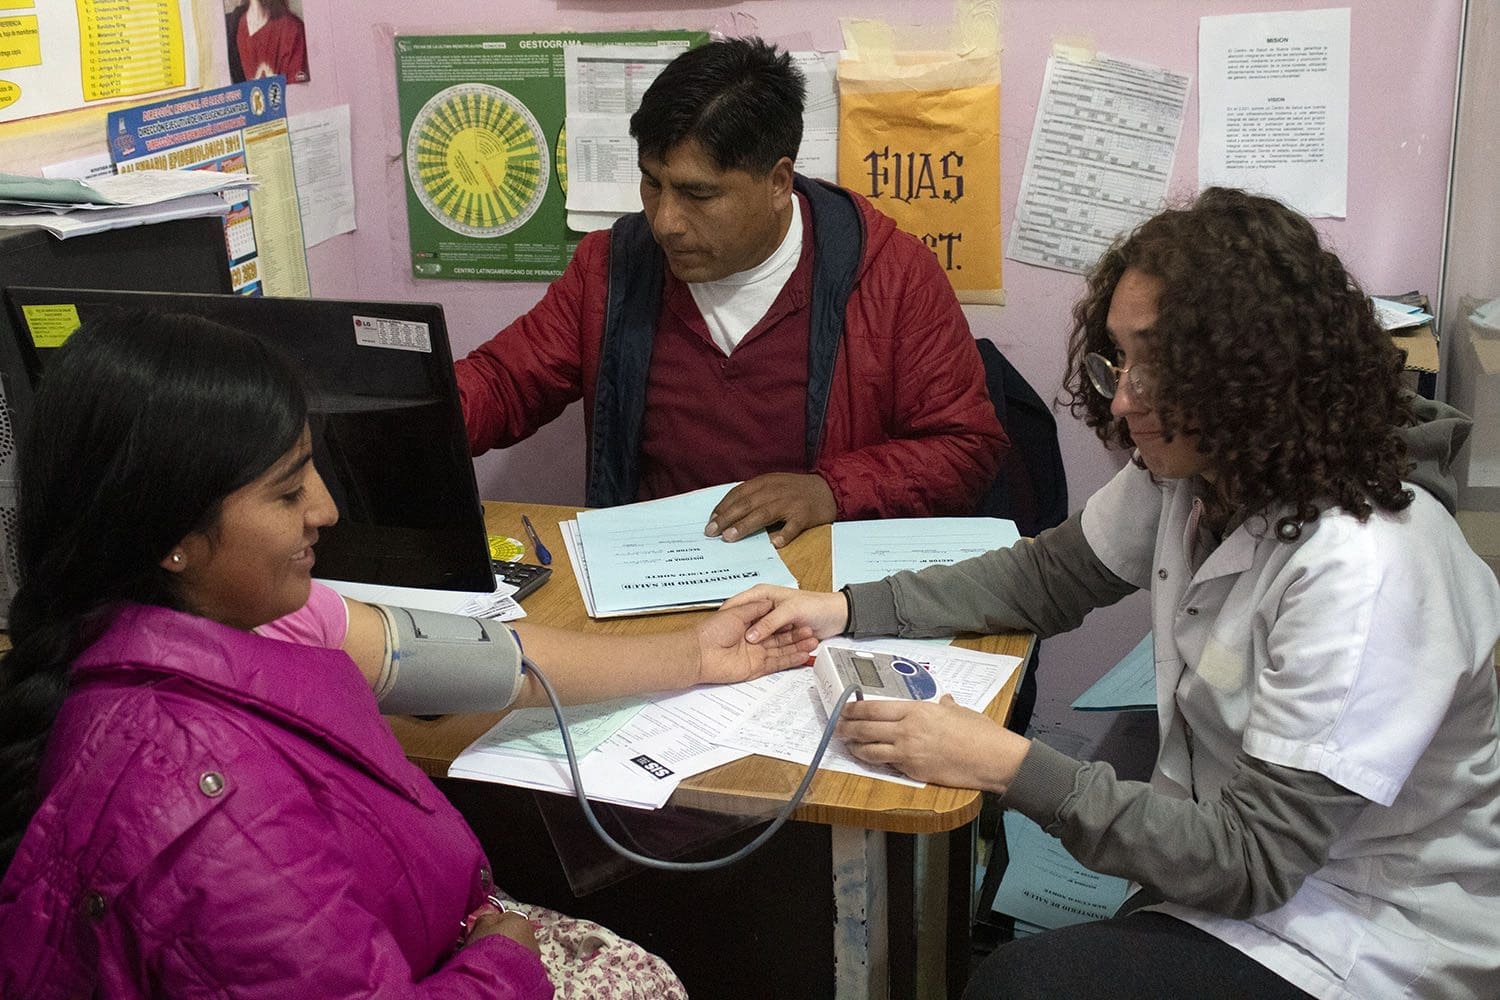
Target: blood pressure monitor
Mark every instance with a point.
(873, 674)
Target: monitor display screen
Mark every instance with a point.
(388, 434)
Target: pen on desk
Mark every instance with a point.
(542, 555)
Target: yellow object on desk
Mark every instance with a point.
(505, 548)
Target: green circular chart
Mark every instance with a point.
(560, 157)
(477, 160)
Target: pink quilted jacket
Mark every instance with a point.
(227, 815)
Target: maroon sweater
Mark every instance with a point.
(713, 419)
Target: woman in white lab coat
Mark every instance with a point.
(1324, 814)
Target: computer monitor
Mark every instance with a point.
(388, 434)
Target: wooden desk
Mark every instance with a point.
(875, 946)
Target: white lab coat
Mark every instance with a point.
(1362, 652)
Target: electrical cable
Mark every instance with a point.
(684, 866)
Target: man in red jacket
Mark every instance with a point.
(751, 326)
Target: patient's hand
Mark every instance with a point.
(511, 924)
(725, 655)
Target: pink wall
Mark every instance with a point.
(1404, 58)
(1402, 85)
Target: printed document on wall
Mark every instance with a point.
(604, 85)
(59, 55)
(818, 156)
(235, 129)
(1101, 155)
(489, 147)
(323, 162)
(1273, 109)
(919, 135)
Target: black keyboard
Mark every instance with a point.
(525, 577)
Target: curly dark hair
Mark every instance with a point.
(1264, 347)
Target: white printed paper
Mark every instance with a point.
(818, 156)
(604, 85)
(1273, 107)
(673, 738)
(324, 168)
(85, 168)
(1101, 155)
(497, 604)
(788, 725)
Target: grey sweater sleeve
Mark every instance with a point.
(1046, 586)
(1244, 854)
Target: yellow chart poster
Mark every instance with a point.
(59, 55)
(919, 135)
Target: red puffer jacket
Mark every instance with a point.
(908, 426)
(228, 815)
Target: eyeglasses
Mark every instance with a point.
(1106, 377)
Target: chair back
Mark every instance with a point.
(1031, 487)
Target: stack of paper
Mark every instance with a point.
(603, 85)
(635, 752)
(871, 550)
(497, 604)
(1410, 324)
(631, 752)
(652, 557)
(1394, 315)
(67, 207)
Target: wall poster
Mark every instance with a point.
(486, 154)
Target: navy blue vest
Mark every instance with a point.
(637, 270)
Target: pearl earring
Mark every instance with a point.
(177, 557)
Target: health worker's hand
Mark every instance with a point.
(798, 501)
(939, 742)
(725, 655)
(822, 614)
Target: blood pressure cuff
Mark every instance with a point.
(439, 663)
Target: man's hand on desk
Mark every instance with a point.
(821, 613)
(798, 501)
(726, 656)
